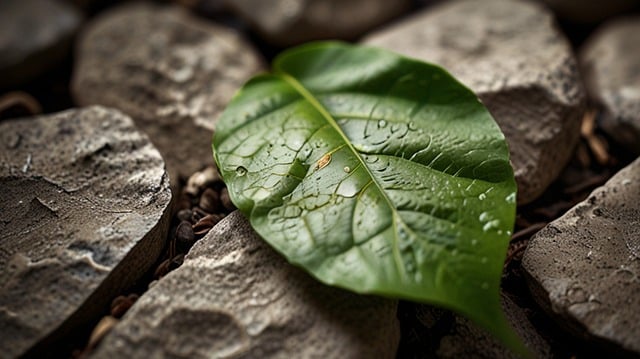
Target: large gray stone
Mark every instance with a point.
(611, 65)
(84, 201)
(172, 72)
(584, 267)
(510, 53)
(34, 35)
(289, 22)
(235, 297)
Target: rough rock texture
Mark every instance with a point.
(236, 297)
(467, 340)
(611, 66)
(584, 267)
(288, 22)
(34, 35)
(535, 96)
(581, 11)
(84, 201)
(170, 71)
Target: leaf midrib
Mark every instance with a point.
(293, 82)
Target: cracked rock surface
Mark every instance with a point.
(84, 204)
(535, 96)
(584, 267)
(170, 71)
(236, 297)
(611, 63)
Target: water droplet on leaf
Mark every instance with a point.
(241, 171)
(511, 198)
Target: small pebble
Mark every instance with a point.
(210, 201)
(202, 179)
(203, 226)
(184, 235)
(120, 305)
(184, 215)
(162, 269)
(198, 214)
(101, 329)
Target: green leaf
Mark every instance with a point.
(376, 173)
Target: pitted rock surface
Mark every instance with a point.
(170, 71)
(34, 35)
(584, 267)
(611, 63)
(290, 22)
(236, 297)
(84, 201)
(535, 96)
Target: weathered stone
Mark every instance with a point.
(288, 22)
(511, 55)
(34, 35)
(467, 340)
(589, 12)
(610, 61)
(583, 268)
(83, 211)
(236, 297)
(170, 71)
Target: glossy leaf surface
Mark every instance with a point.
(376, 173)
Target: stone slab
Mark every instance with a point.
(84, 201)
(172, 72)
(235, 297)
(584, 267)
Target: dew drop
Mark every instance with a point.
(482, 196)
(241, 171)
(484, 216)
(347, 169)
(511, 198)
(491, 225)
(626, 182)
(382, 123)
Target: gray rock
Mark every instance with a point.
(170, 71)
(289, 22)
(467, 340)
(34, 35)
(611, 65)
(236, 297)
(83, 213)
(522, 68)
(589, 12)
(584, 267)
